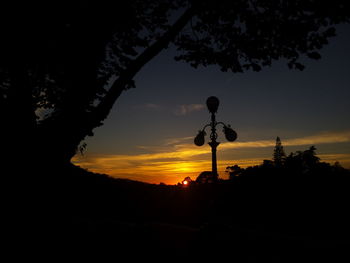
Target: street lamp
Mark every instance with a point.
(230, 134)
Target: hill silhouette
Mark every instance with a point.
(265, 214)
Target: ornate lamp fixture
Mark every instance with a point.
(230, 134)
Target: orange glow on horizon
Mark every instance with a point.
(173, 172)
(168, 172)
(173, 162)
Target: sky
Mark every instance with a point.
(149, 134)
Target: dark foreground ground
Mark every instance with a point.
(272, 218)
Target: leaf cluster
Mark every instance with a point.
(242, 35)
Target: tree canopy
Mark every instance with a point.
(278, 153)
(64, 64)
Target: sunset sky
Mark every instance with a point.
(149, 134)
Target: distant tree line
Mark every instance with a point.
(296, 163)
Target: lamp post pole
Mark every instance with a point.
(213, 144)
(231, 135)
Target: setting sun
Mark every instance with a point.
(170, 163)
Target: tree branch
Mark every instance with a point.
(105, 106)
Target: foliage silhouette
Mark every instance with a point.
(234, 171)
(74, 60)
(278, 153)
(263, 210)
(206, 177)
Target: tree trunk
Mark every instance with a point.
(18, 121)
(66, 135)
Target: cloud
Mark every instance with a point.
(320, 138)
(185, 109)
(148, 106)
(180, 110)
(176, 141)
(177, 158)
(152, 106)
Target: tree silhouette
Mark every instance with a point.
(303, 161)
(206, 177)
(278, 153)
(72, 61)
(234, 171)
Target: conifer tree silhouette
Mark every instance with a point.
(278, 153)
